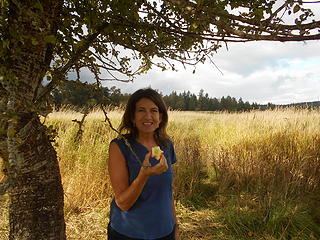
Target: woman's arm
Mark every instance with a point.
(126, 195)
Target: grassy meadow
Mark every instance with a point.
(252, 175)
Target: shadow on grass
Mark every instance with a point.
(208, 215)
(197, 214)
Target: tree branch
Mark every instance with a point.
(240, 29)
(107, 119)
(274, 14)
(80, 123)
(308, 1)
(86, 43)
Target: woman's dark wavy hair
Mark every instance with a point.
(127, 125)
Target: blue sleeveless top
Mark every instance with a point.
(151, 216)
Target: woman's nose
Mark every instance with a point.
(148, 115)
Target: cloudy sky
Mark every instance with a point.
(259, 72)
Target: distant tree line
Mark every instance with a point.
(188, 101)
(80, 96)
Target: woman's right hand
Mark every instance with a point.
(159, 168)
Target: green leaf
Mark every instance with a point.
(19, 140)
(50, 39)
(13, 33)
(11, 132)
(296, 8)
(34, 42)
(39, 6)
(258, 13)
(6, 43)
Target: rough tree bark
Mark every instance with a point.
(35, 188)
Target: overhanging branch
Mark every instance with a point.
(59, 73)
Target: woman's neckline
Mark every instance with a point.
(145, 146)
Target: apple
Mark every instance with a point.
(156, 152)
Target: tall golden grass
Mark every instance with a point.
(238, 176)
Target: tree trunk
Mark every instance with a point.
(35, 188)
(3, 127)
(36, 194)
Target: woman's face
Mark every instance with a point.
(146, 117)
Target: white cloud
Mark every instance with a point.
(259, 72)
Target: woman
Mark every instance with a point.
(142, 207)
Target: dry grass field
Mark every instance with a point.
(253, 175)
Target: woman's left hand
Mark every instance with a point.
(159, 168)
